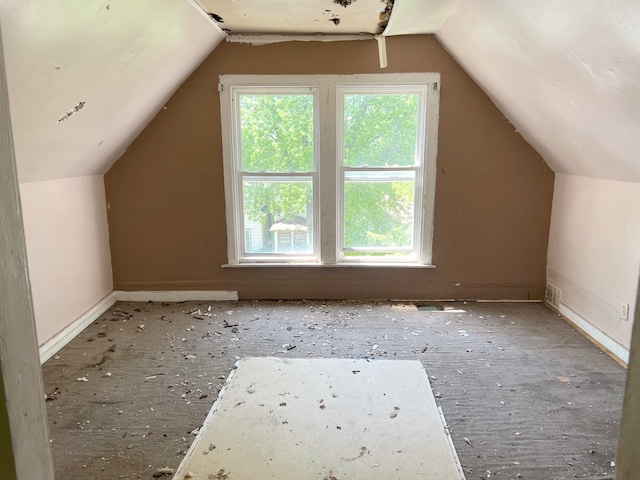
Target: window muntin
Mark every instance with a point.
(397, 171)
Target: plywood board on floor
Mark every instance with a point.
(326, 419)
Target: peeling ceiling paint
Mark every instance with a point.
(300, 17)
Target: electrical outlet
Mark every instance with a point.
(624, 311)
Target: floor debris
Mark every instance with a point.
(513, 393)
(221, 475)
(163, 472)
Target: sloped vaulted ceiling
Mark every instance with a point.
(565, 73)
(86, 76)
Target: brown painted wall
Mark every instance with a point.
(493, 191)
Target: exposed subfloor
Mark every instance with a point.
(525, 395)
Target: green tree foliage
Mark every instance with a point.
(380, 131)
(276, 137)
(283, 200)
(378, 214)
(276, 133)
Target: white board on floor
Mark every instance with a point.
(324, 419)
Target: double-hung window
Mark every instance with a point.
(330, 169)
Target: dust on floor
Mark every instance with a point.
(525, 396)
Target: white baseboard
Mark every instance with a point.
(176, 295)
(55, 343)
(601, 339)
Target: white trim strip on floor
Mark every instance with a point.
(177, 295)
(49, 348)
(617, 350)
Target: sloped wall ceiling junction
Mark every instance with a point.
(566, 75)
(84, 78)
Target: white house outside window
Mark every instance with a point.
(330, 169)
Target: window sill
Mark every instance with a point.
(327, 265)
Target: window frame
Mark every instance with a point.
(328, 176)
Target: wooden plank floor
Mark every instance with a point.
(525, 396)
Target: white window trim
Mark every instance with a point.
(328, 179)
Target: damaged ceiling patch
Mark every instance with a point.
(218, 19)
(385, 15)
(344, 3)
(295, 17)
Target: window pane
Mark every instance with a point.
(379, 211)
(380, 130)
(278, 216)
(276, 133)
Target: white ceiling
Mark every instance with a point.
(86, 76)
(419, 16)
(564, 72)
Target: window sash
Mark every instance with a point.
(281, 178)
(373, 176)
(239, 247)
(349, 253)
(328, 176)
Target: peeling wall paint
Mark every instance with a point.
(70, 112)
